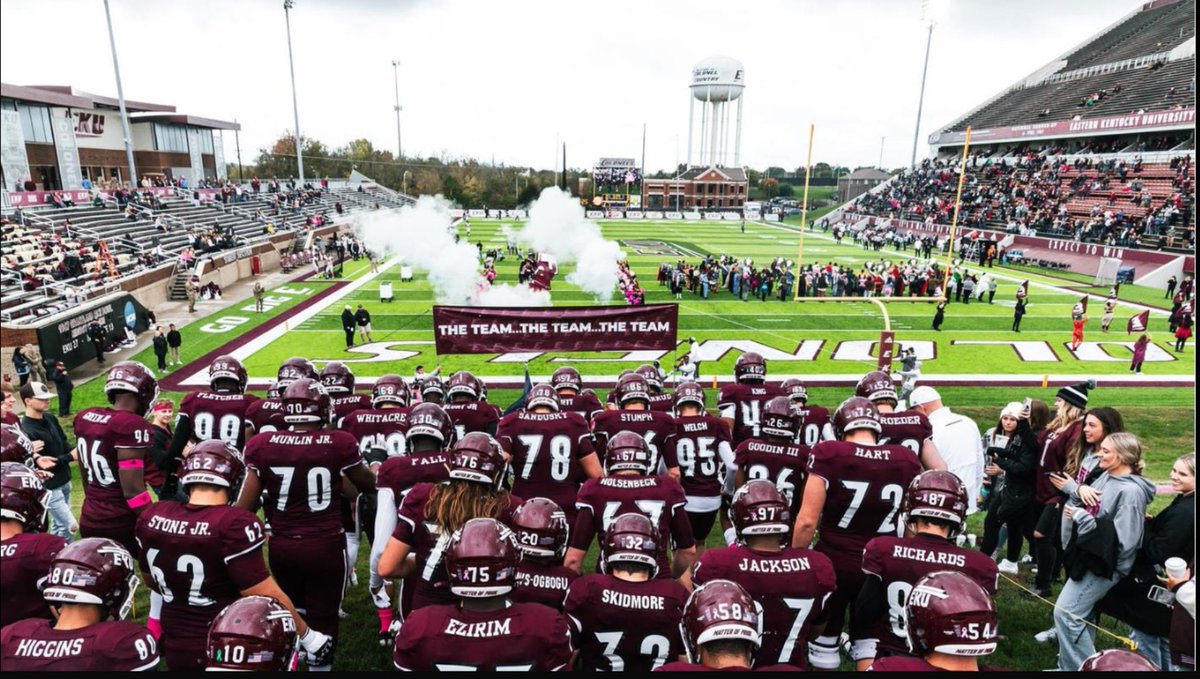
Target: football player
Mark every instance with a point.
(252, 634)
(741, 403)
(626, 619)
(339, 381)
(433, 390)
(465, 409)
(853, 493)
(629, 488)
(483, 630)
(431, 513)
(610, 399)
(302, 469)
(791, 585)
(571, 395)
(775, 456)
(541, 528)
(26, 549)
(267, 414)
(721, 631)
(15, 446)
(91, 581)
(203, 554)
(910, 428)
(632, 394)
(219, 413)
(700, 448)
(935, 512)
(660, 401)
(951, 622)
(550, 451)
(814, 420)
(1118, 660)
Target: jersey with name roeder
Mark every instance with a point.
(213, 415)
(744, 404)
(34, 645)
(909, 429)
(623, 626)
(99, 433)
(518, 638)
(661, 498)
(26, 558)
(546, 449)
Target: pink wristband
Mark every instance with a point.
(139, 500)
(131, 464)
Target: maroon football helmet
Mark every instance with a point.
(937, 494)
(758, 508)
(876, 386)
(228, 368)
(22, 497)
(95, 571)
(541, 529)
(1117, 660)
(567, 377)
(389, 388)
(689, 393)
(433, 387)
(479, 459)
(293, 369)
(462, 382)
(15, 446)
(337, 378)
(481, 387)
(627, 451)
(795, 390)
(719, 610)
(632, 387)
(778, 419)
(305, 400)
(482, 559)
(750, 367)
(950, 613)
(631, 538)
(428, 419)
(543, 395)
(252, 634)
(215, 462)
(856, 412)
(132, 377)
(651, 375)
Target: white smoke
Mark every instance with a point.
(557, 227)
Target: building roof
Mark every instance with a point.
(39, 95)
(869, 173)
(732, 174)
(184, 119)
(111, 102)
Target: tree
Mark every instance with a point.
(786, 190)
(769, 185)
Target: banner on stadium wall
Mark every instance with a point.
(654, 215)
(12, 149)
(673, 215)
(691, 215)
(21, 198)
(713, 215)
(731, 215)
(477, 213)
(633, 215)
(595, 214)
(616, 214)
(1133, 121)
(773, 217)
(66, 340)
(494, 330)
(219, 155)
(457, 212)
(752, 214)
(67, 148)
(887, 346)
(195, 157)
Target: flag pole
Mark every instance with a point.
(804, 209)
(962, 175)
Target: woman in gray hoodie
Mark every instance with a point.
(1120, 495)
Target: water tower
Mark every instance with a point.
(716, 83)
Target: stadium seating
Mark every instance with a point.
(1147, 32)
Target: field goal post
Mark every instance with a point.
(1106, 273)
(887, 336)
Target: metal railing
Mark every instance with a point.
(1098, 69)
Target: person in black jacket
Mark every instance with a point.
(160, 349)
(64, 386)
(348, 326)
(161, 467)
(174, 341)
(1018, 312)
(1011, 449)
(53, 456)
(95, 333)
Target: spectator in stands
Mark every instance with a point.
(174, 341)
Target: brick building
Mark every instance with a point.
(699, 188)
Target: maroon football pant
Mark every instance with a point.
(312, 572)
(122, 533)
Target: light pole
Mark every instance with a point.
(112, 42)
(927, 16)
(399, 143)
(287, 17)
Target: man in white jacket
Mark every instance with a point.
(957, 439)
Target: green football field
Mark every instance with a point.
(829, 343)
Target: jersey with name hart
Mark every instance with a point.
(791, 585)
(518, 638)
(383, 429)
(26, 559)
(695, 447)
(99, 433)
(623, 626)
(302, 474)
(266, 415)
(546, 449)
(909, 429)
(472, 417)
(654, 427)
(212, 415)
(661, 498)
(743, 403)
(584, 404)
(814, 425)
(34, 645)
(346, 404)
(783, 463)
(864, 486)
(542, 582)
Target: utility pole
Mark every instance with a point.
(112, 42)
(287, 17)
(921, 100)
(399, 143)
(237, 140)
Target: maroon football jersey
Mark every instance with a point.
(302, 474)
(1052, 459)
(600, 501)
(909, 429)
(401, 474)
(695, 447)
(785, 464)
(584, 404)
(744, 403)
(904, 663)
(201, 558)
(900, 562)
(622, 626)
(472, 417)
(33, 645)
(26, 560)
(428, 544)
(99, 432)
(654, 427)
(520, 638)
(695, 667)
(384, 428)
(662, 403)
(266, 415)
(539, 582)
(814, 425)
(864, 486)
(346, 404)
(546, 449)
(216, 416)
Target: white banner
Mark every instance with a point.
(753, 215)
(219, 155)
(616, 214)
(674, 215)
(12, 151)
(731, 215)
(654, 215)
(633, 215)
(771, 218)
(595, 214)
(517, 214)
(713, 215)
(195, 158)
(691, 215)
(477, 213)
(69, 172)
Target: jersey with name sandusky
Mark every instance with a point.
(99, 433)
(909, 429)
(266, 415)
(584, 404)
(472, 417)
(385, 429)
(900, 562)
(519, 637)
(346, 404)
(625, 626)
(543, 583)
(864, 486)
(784, 464)
(546, 449)
(662, 403)
(743, 403)
(653, 426)
(813, 425)
(661, 498)
(217, 416)
(694, 448)
(791, 585)
(302, 474)
(34, 645)
(26, 559)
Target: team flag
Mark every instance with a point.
(1138, 323)
(1023, 290)
(519, 404)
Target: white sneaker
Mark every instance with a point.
(1046, 636)
(1028, 558)
(1009, 567)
